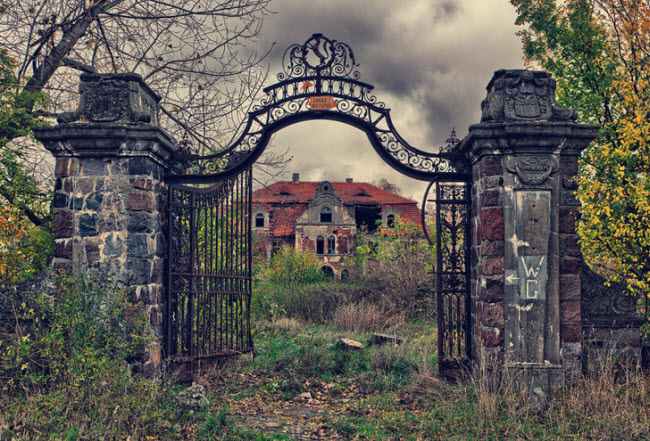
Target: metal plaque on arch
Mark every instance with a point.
(209, 269)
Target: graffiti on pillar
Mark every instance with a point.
(531, 244)
(531, 276)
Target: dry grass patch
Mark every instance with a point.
(287, 323)
(365, 317)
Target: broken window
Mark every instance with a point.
(325, 215)
(390, 221)
(320, 245)
(367, 216)
(259, 220)
(331, 245)
(328, 271)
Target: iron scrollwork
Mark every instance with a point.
(451, 204)
(318, 56)
(319, 79)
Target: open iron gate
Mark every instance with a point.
(319, 81)
(452, 242)
(209, 269)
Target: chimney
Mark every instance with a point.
(295, 178)
(349, 180)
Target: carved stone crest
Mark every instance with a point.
(532, 170)
(606, 306)
(114, 98)
(523, 95)
(527, 97)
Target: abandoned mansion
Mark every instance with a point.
(324, 217)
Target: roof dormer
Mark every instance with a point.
(325, 187)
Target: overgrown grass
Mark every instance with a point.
(381, 392)
(398, 396)
(66, 373)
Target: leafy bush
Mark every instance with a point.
(76, 338)
(26, 243)
(25, 250)
(63, 374)
(313, 302)
(290, 266)
(399, 263)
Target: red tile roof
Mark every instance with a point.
(409, 213)
(283, 221)
(350, 192)
(294, 199)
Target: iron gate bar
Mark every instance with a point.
(452, 215)
(209, 269)
(332, 73)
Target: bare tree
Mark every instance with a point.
(192, 52)
(384, 184)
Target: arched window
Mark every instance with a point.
(320, 245)
(331, 245)
(325, 214)
(390, 221)
(345, 274)
(328, 271)
(259, 220)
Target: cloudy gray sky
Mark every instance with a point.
(429, 61)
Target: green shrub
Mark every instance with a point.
(398, 263)
(75, 339)
(65, 375)
(289, 266)
(311, 302)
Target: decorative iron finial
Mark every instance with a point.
(451, 144)
(318, 56)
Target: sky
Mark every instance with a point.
(429, 61)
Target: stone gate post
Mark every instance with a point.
(109, 200)
(525, 253)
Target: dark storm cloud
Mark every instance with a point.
(448, 8)
(386, 48)
(429, 61)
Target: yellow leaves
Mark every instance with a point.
(12, 233)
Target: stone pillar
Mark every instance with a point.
(525, 253)
(109, 200)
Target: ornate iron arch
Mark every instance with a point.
(320, 81)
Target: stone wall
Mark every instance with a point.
(525, 259)
(487, 259)
(570, 266)
(610, 322)
(107, 221)
(109, 202)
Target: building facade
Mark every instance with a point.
(324, 217)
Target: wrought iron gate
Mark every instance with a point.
(209, 269)
(319, 81)
(452, 219)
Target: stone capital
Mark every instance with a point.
(521, 116)
(523, 95)
(533, 137)
(108, 141)
(117, 117)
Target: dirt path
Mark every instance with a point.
(312, 413)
